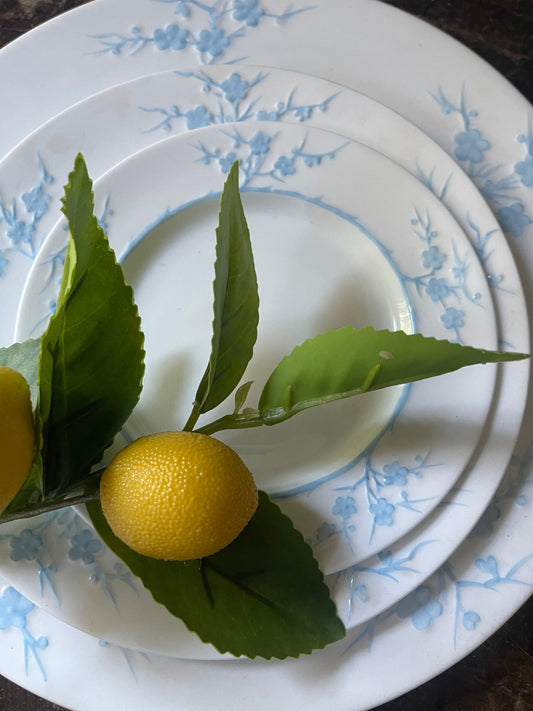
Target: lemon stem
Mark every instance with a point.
(230, 422)
(51, 505)
(193, 417)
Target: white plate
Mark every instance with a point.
(408, 63)
(113, 123)
(322, 241)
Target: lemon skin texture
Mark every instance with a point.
(177, 495)
(16, 434)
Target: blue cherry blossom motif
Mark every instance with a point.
(433, 258)
(395, 474)
(285, 166)
(303, 113)
(234, 87)
(83, 546)
(437, 289)
(182, 9)
(14, 608)
(344, 507)
(471, 620)
(171, 37)
(3, 264)
(227, 161)
(420, 607)
(382, 511)
(525, 170)
(470, 146)
(260, 144)
(198, 117)
(513, 219)
(36, 201)
(20, 232)
(25, 546)
(212, 41)
(325, 531)
(453, 319)
(247, 11)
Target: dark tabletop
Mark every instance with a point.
(498, 676)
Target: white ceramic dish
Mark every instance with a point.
(115, 122)
(341, 260)
(422, 60)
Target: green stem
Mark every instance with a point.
(230, 422)
(193, 417)
(46, 506)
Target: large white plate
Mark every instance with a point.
(113, 123)
(324, 244)
(409, 60)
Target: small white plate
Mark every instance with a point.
(343, 235)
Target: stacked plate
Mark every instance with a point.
(383, 185)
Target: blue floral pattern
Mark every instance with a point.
(237, 102)
(425, 605)
(224, 24)
(30, 547)
(500, 188)
(14, 611)
(19, 221)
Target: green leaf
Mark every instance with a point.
(236, 303)
(24, 358)
(92, 352)
(339, 364)
(262, 596)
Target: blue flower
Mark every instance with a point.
(36, 201)
(227, 161)
(344, 507)
(171, 37)
(513, 219)
(470, 620)
(83, 546)
(267, 115)
(260, 144)
(182, 9)
(14, 608)
(437, 289)
(525, 170)
(303, 113)
(25, 546)
(20, 232)
(395, 474)
(433, 258)
(247, 11)
(285, 165)
(382, 511)
(470, 146)
(325, 531)
(420, 607)
(234, 88)
(198, 117)
(453, 318)
(212, 41)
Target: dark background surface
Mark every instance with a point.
(498, 676)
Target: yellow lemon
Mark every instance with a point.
(16, 433)
(177, 495)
